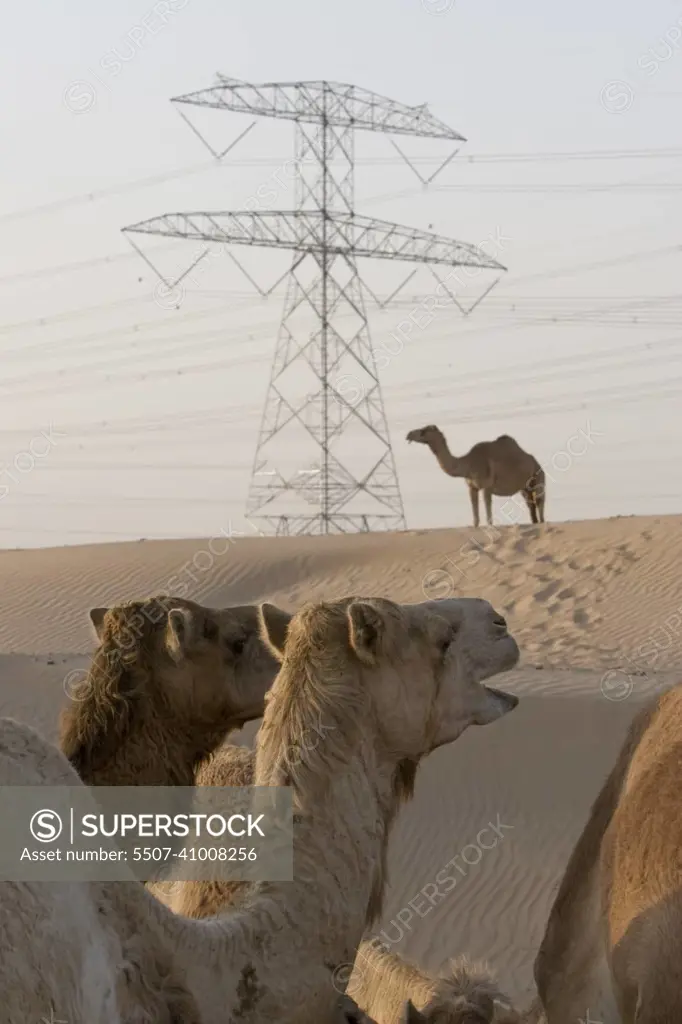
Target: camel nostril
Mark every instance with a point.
(500, 621)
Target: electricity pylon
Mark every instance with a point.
(323, 462)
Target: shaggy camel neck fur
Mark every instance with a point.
(382, 982)
(613, 936)
(168, 681)
(498, 467)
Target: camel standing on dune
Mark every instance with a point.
(390, 684)
(611, 949)
(167, 683)
(498, 467)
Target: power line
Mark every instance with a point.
(147, 181)
(65, 268)
(567, 187)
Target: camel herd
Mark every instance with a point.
(353, 694)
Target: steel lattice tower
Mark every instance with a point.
(324, 410)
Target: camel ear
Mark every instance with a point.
(97, 620)
(366, 626)
(181, 633)
(274, 625)
(411, 1015)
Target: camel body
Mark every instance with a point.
(612, 942)
(500, 467)
(66, 950)
(495, 466)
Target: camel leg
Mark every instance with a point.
(536, 487)
(531, 502)
(540, 502)
(473, 494)
(488, 499)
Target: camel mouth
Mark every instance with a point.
(509, 652)
(507, 700)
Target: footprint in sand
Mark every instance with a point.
(581, 618)
(547, 592)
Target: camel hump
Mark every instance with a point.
(507, 443)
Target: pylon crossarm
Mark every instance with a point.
(302, 231)
(341, 104)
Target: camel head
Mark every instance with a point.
(437, 1013)
(460, 1010)
(199, 672)
(426, 435)
(446, 1013)
(467, 993)
(413, 671)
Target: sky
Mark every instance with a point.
(126, 414)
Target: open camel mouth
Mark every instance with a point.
(508, 653)
(509, 699)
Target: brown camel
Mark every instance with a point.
(499, 467)
(611, 949)
(390, 683)
(168, 681)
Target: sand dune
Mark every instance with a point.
(596, 608)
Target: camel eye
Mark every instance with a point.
(447, 642)
(210, 630)
(238, 645)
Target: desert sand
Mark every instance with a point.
(596, 607)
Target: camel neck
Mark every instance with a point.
(317, 920)
(341, 828)
(340, 843)
(448, 462)
(157, 754)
